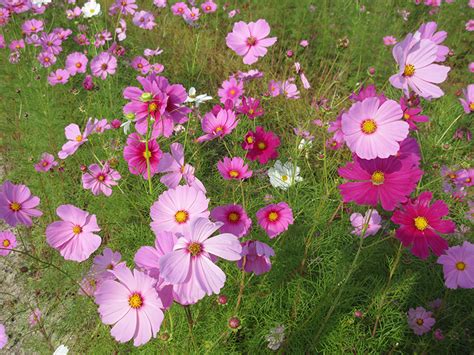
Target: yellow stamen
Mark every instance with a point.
(233, 217)
(79, 138)
(76, 229)
(284, 177)
(273, 216)
(181, 216)
(409, 70)
(15, 206)
(261, 145)
(378, 177)
(147, 154)
(234, 174)
(460, 266)
(368, 126)
(419, 321)
(6, 243)
(421, 223)
(135, 300)
(194, 249)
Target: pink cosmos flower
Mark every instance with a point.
(73, 13)
(428, 31)
(175, 209)
(261, 145)
(234, 169)
(101, 38)
(289, 89)
(335, 127)
(60, 76)
(438, 334)
(366, 225)
(35, 317)
(136, 155)
(121, 31)
(75, 140)
(144, 19)
(389, 40)
(74, 235)
(250, 41)
(420, 320)
(132, 305)
(257, 257)
(470, 25)
(417, 70)
(160, 3)
(232, 90)
(179, 8)
(374, 130)
(275, 218)
(420, 222)
(234, 218)
(76, 63)
(209, 6)
(88, 83)
(2, 42)
(191, 15)
(458, 266)
(103, 64)
(365, 92)
(100, 179)
(465, 178)
(191, 262)
(140, 64)
(3, 336)
(51, 42)
(411, 114)
(388, 181)
(105, 263)
(250, 107)
(32, 26)
(468, 101)
(7, 242)
(273, 88)
(470, 66)
(304, 43)
(17, 206)
(304, 80)
(46, 163)
(147, 52)
(46, 59)
(219, 125)
(125, 7)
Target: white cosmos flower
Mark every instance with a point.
(90, 9)
(283, 176)
(39, 3)
(61, 350)
(197, 99)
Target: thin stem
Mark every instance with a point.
(189, 317)
(242, 286)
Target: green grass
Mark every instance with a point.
(320, 274)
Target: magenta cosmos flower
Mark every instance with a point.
(366, 225)
(136, 155)
(257, 257)
(46, 163)
(7, 242)
(76, 63)
(250, 40)
(412, 114)
(17, 206)
(74, 236)
(388, 181)
(261, 145)
(105, 263)
(234, 169)
(132, 305)
(179, 8)
(275, 218)
(374, 130)
(75, 139)
(458, 266)
(103, 64)
(420, 222)
(191, 261)
(468, 101)
(417, 70)
(420, 320)
(231, 90)
(219, 125)
(176, 208)
(100, 179)
(3, 336)
(234, 218)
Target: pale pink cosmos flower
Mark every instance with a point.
(175, 209)
(420, 320)
(105, 263)
(46, 163)
(234, 169)
(289, 89)
(103, 64)
(251, 40)
(389, 40)
(132, 305)
(417, 70)
(144, 19)
(160, 3)
(458, 266)
(471, 67)
(191, 15)
(76, 62)
(121, 31)
(3, 336)
(74, 235)
(46, 59)
(17, 206)
(209, 6)
(60, 76)
(257, 257)
(304, 43)
(274, 88)
(191, 262)
(303, 78)
(140, 64)
(179, 8)
(468, 101)
(428, 31)
(470, 25)
(100, 179)
(147, 52)
(7, 242)
(366, 225)
(75, 139)
(234, 218)
(374, 130)
(35, 317)
(232, 90)
(217, 126)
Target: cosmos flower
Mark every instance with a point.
(468, 101)
(179, 8)
(17, 206)
(103, 64)
(140, 64)
(125, 7)
(232, 90)
(373, 129)
(420, 222)
(275, 218)
(131, 304)
(144, 19)
(420, 320)
(412, 114)
(428, 31)
(389, 40)
(261, 145)
(76, 62)
(234, 218)
(105, 263)
(234, 169)
(209, 6)
(60, 76)
(257, 257)
(250, 107)
(365, 92)
(250, 40)
(366, 225)
(7, 242)
(35, 317)
(138, 158)
(219, 125)
(285, 175)
(100, 179)
(175, 209)
(90, 9)
(75, 139)
(458, 266)
(46, 163)
(74, 236)
(3, 336)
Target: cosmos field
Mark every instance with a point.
(236, 177)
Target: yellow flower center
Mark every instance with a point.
(368, 126)
(234, 173)
(284, 177)
(421, 223)
(452, 176)
(273, 216)
(45, 163)
(101, 178)
(181, 216)
(233, 217)
(147, 154)
(406, 116)
(218, 129)
(79, 138)
(6, 243)
(471, 106)
(250, 140)
(261, 145)
(409, 70)
(15, 206)
(78, 65)
(460, 266)
(76, 229)
(378, 177)
(419, 321)
(194, 249)
(232, 92)
(208, 8)
(135, 300)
